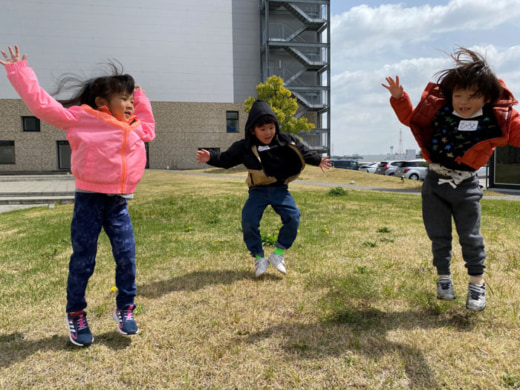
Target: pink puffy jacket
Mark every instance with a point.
(108, 155)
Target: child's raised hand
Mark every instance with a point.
(325, 163)
(203, 156)
(395, 89)
(15, 56)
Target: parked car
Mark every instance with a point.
(370, 167)
(413, 169)
(482, 172)
(388, 167)
(345, 164)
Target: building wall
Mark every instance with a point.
(195, 60)
(181, 129)
(185, 127)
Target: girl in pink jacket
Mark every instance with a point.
(107, 124)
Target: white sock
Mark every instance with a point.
(477, 280)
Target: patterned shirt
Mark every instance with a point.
(453, 136)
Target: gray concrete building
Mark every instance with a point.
(197, 62)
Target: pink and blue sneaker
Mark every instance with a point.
(125, 320)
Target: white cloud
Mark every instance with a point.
(370, 43)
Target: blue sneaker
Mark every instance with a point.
(79, 333)
(125, 320)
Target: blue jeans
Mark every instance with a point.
(441, 203)
(282, 203)
(93, 211)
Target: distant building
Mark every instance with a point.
(197, 62)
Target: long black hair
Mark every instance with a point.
(88, 90)
(470, 72)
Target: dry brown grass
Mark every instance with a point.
(357, 309)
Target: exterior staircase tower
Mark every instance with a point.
(295, 45)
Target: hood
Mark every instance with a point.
(260, 108)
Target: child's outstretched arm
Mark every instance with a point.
(325, 163)
(395, 89)
(203, 156)
(400, 100)
(143, 111)
(15, 56)
(39, 102)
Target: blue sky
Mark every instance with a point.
(374, 39)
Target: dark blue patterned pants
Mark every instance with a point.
(93, 211)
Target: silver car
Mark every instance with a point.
(388, 167)
(370, 167)
(413, 169)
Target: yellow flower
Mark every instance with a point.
(113, 288)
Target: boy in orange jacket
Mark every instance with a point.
(457, 124)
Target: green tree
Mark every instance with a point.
(283, 104)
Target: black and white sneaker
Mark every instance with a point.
(445, 289)
(476, 297)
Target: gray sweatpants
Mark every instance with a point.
(439, 203)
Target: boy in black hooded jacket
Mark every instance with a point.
(272, 159)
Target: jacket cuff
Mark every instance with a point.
(13, 67)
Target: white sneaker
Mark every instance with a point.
(445, 289)
(278, 262)
(476, 300)
(260, 266)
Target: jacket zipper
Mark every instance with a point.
(123, 162)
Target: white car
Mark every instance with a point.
(388, 167)
(482, 172)
(370, 167)
(412, 169)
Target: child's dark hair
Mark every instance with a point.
(264, 120)
(104, 87)
(470, 72)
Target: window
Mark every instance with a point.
(30, 123)
(217, 150)
(63, 155)
(7, 152)
(232, 121)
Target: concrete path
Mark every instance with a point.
(23, 191)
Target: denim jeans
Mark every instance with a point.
(441, 202)
(282, 203)
(93, 211)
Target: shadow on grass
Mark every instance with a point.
(14, 348)
(354, 328)
(195, 281)
(350, 341)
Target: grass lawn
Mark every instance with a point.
(356, 310)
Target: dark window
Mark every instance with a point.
(7, 152)
(211, 149)
(30, 123)
(63, 155)
(232, 121)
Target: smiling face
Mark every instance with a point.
(265, 133)
(466, 101)
(121, 105)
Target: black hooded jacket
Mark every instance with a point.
(277, 164)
